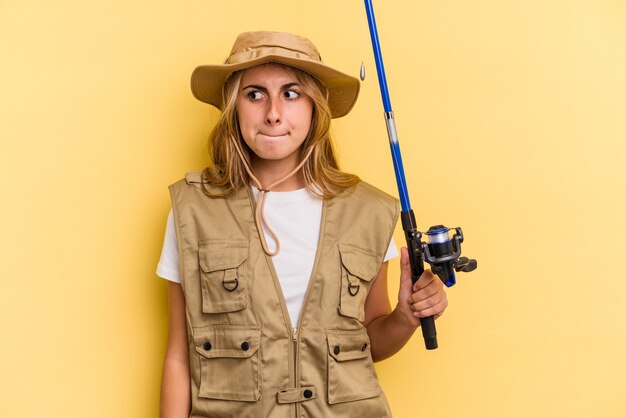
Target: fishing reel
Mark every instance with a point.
(443, 253)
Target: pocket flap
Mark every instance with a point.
(234, 341)
(348, 345)
(359, 262)
(222, 254)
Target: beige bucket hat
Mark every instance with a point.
(254, 48)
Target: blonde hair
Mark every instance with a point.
(321, 171)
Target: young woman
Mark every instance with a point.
(277, 260)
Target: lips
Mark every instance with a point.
(272, 135)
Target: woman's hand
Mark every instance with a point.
(390, 330)
(426, 297)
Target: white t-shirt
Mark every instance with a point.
(290, 215)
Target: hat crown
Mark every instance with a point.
(265, 43)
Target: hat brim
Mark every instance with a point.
(343, 90)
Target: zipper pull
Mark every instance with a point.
(295, 334)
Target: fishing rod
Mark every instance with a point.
(441, 250)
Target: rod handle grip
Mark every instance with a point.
(429, 332)
(416, 258)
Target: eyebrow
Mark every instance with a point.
(264, 89)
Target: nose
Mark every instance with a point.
(273, 113)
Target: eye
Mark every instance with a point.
(254, 95)
(291, 94)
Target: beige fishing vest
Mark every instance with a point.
(246, 358)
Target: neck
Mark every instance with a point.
(269, 172)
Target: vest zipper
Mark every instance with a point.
(305, 302)
(296, 333)
(292, 358)
(296, 367)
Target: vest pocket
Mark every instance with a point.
(229, 362)
(358, 269)
(351, 374)
(223, 275)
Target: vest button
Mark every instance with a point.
(336, 350)
(245, 346)
(307, 394)
(207, 346)
(364, 347)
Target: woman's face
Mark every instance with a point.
(274, 114)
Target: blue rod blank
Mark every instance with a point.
(396, 155)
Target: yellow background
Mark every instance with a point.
(512, 121)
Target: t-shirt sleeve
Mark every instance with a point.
(392, 251)
(168, 264)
